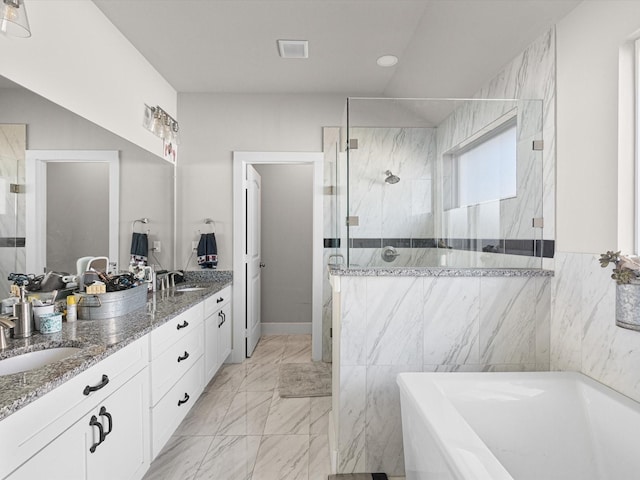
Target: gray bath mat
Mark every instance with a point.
(305, 380)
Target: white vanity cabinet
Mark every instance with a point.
(95, 426)
(176, 373)
(217, 331)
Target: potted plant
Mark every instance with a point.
(626, 273)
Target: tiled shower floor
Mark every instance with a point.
(240, 429)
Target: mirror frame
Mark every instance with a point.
(36, 195)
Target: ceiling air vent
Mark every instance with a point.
(293, 48)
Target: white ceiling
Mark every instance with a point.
(447, 48)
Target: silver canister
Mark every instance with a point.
(23, 311)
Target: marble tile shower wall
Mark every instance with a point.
(531, 75)
(584, 336)
(12, 170)
(401, 324)
(402, 210)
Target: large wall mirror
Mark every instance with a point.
(31, 125)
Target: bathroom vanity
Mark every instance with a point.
(107, 410)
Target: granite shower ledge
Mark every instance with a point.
(440, 272)
(97, 338)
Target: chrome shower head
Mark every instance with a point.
(391, 178)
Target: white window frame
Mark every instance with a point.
(495, 128)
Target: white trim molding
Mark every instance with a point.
(240, 162)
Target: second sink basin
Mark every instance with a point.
(189, 288)
(32, 360)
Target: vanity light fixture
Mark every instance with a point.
(13, 19)
(161, 124)
(387, 60)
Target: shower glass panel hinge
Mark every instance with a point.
(353, 221)
(16, 188)
(330, 332)
(353, 144)
(538, 222)
(330, 190)
(538, 145)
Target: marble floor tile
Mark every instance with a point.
(288, 416)
(247, 414)
(282, 457)
(240, 428)
(270, 352)
(319, 459)
(229, 377)
(297, 352)
(319, 415)
(179, 459)
(206, 415)
(260, 378)
(230, 458)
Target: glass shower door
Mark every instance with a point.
(12, 203)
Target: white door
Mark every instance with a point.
(253, 258)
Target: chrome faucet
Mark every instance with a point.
(172, 276)
(169, 276)
(6, 322)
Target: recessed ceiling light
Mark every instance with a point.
(387, 60)
(293, 48)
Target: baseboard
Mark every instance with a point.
(285, 328)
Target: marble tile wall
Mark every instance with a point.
(390, 325)
(400, 210)
(584, 336)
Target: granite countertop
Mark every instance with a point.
(97, 339)
(439, 272)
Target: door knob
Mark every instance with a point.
(262, 265)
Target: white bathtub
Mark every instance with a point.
(520, 426)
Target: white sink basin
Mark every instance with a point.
(189, 289)
(33, 360)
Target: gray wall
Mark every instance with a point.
(287, 202)
(77, 215)
(213, 126)
(146, 181)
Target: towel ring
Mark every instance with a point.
(208, 221)
(141, 220)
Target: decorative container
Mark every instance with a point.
(111, 304)
(628, 306)
(39, 311)
(50, 323)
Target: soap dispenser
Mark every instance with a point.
(23, 313)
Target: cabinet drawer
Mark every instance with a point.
(34, 426)
(174, 406)
(166, 335)
(217, 301)
(173, 363)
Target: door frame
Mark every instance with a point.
(240, 162)
(36, 199)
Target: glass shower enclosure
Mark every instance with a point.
(12, 203)
(453, 183)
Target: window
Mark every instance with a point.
(484, 170)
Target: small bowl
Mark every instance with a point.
(50, 323)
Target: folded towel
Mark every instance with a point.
(139, 247)
(208, 251)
